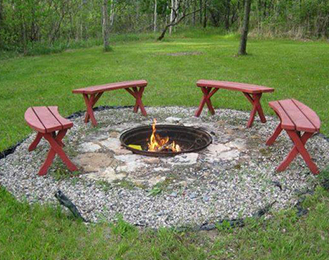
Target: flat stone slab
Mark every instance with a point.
(233, 177)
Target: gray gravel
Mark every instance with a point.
(233, 178)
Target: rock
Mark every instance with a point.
(111, 143)
(173, 119)
(108, 175)
(173, 194)
(215, 149)
(114, 134)
(229, 155)
(187, 159)
(114, 145)
(155, 180)
(152, 160)
(192, 195)
(205, 174)
(89, 147)
(238, 143)
(160, 169)
(205, 198)
(132, 162)
(93, 162)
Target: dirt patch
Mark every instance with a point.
(184, 53)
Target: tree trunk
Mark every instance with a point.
(172, 15)
(155, 17)
(106, 39)
(245, 29)
(194, 8)
(201, 11)
(112, 13)
(177, 13)
(228, 12)
(174, 23)
(1, 12)
(205, 14)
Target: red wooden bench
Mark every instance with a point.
(46, 121)
(295, 118)
(92, 94)
(252, 92)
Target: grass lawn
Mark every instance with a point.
(47, 233)
(295, 69)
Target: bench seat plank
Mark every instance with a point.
(310, 114)
(49, 121)
(63, 121)
(33, 121)
(297, 117)
(244, 87)
(111, 86)
(286, 122)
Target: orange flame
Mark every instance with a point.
(158, 143)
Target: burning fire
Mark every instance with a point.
(158, 143)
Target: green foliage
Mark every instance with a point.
(155, 191)
(50, 26)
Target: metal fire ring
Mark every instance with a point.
(189, 138)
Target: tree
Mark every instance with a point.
(179, 7)
(155, 15)
(205, 14)
(1, 11)
(106, 29)
(245, 28)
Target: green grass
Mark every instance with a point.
(43, 232)
(295, 69)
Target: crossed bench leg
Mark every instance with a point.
(299, 148)
(207, 94)
(256, 107)
(91, 100)
(56, 144)
(254, 99)
(137, 93)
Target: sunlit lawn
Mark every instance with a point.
(295, 69)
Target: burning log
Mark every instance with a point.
(158, 143)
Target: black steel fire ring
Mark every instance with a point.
(190, 139)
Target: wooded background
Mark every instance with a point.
(26, 23)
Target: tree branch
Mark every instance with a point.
(175, 23)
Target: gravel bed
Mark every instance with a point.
(233, 178)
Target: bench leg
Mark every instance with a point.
(299, 148)
(207, 94)
(137, 93)
(276, 133)
(256, 107)
(35, 143)
(90, 103)
(56, 148)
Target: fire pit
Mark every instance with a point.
(165, 140)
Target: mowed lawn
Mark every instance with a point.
(295, 69)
